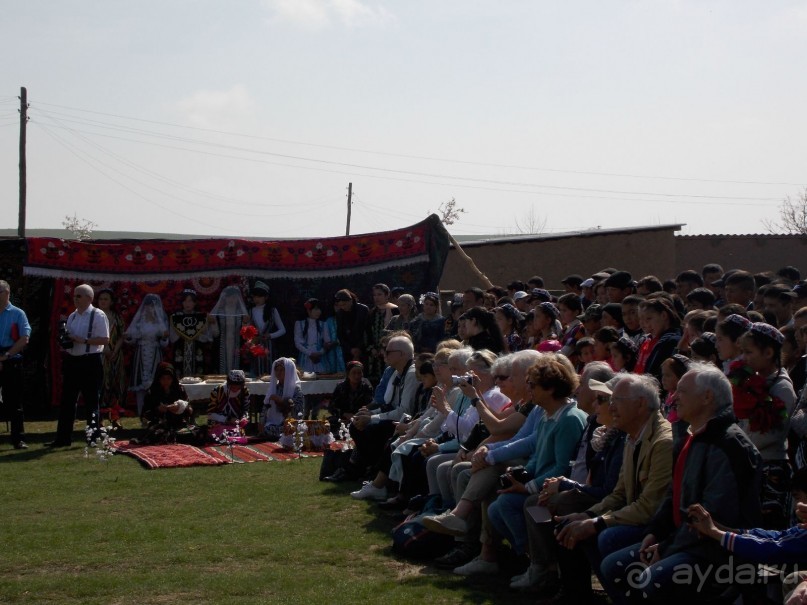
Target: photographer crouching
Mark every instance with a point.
(85, 334)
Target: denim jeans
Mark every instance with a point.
(506, 515)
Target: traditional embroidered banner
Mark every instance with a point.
(412, 257)
(151, 260)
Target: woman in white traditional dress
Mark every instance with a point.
(231, 315)
(149, 333)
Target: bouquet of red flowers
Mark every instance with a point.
(753, 401)
(251, 348)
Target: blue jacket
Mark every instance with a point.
(556, 438)
(520, 445)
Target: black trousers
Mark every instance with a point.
(370, 442)
(81, 375)
(11, 381)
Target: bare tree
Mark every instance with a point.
(792, 216)
(530, 223)
(449, 212)
(80, 228)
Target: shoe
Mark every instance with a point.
(57, 443)
(536, 578)
(455, 558)
(368, 492)
(20, 445)
(394, 503)
(446, 523)
(339, 475)
(478, 567)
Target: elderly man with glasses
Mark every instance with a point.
(14, 333)
(82, 367)
(718, 467)
(371, 429)
(620, 518)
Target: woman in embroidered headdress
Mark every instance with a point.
(311, 338)
(284, 398)
(189, 330)
(149, 333)
(763, 404)
(266, 319)
(231, 315)
(113, 389)
(228, 411)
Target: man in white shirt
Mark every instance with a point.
(82, 368)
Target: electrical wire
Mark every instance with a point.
(199, 205)
(431, 158)
(461, 185)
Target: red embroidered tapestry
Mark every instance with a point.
(295, 270)
(177, 260)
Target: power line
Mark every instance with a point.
(431, 158)
(428, 175)
(196, 204)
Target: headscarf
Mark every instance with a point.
(290, 379)
(151, 312)
(230, 303)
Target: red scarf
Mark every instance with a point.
(678, 477)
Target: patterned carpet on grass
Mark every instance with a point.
(180, 455)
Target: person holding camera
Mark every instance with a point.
(86, 333)
(14, 333)
(553, 381)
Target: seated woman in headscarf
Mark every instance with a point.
(228, 412)
(149, 332)
(166, 412)
(231, 315)
(284, 398)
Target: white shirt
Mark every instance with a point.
(78, 324)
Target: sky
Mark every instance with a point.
(249, 118)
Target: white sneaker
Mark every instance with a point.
(478, 567)
(368, 492)
(446, 523)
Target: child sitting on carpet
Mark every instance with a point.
(284, 398)
(228, 412)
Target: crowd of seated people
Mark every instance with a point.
(628, 430)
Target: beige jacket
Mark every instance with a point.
(634, 502)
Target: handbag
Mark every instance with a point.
(477, 435)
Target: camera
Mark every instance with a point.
(65, 340)
(466, 378)
(519, 473)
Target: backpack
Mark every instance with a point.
(412, 540)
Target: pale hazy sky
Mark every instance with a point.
(249, 117)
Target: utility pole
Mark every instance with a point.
(23, 180)
(349, 203)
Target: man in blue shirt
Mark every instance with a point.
(14, 333)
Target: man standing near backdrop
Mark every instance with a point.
(14, 333)
(82, 368)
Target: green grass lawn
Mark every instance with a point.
(84, 531)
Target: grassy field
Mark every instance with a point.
(91, 532)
